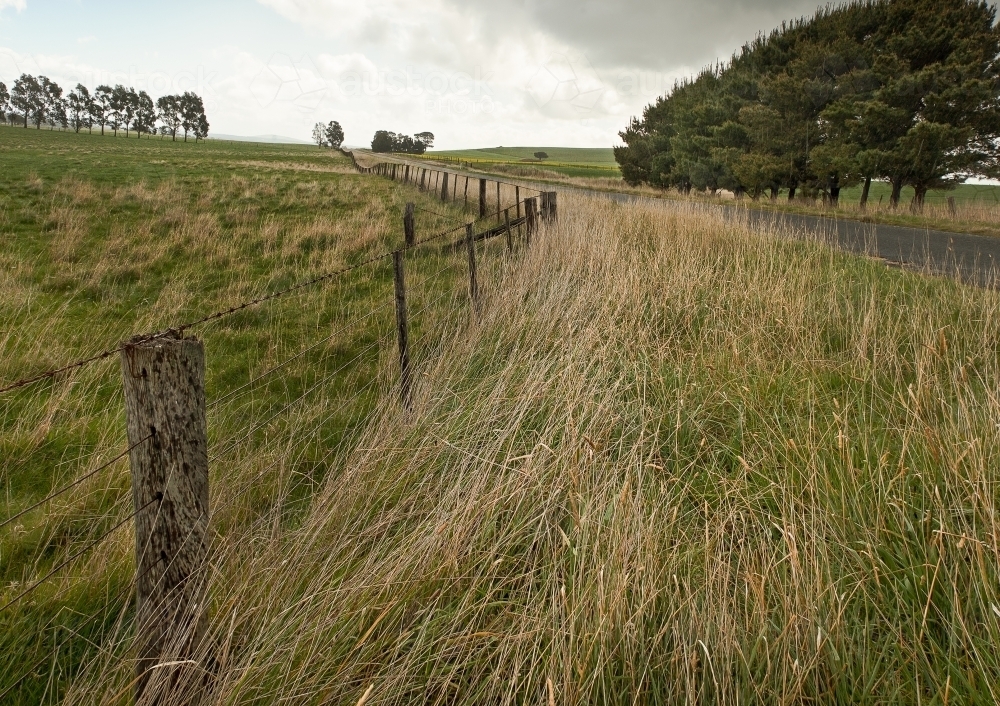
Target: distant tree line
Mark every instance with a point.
(330, 135)
(385, 141)
(905, 91)
(39, 101)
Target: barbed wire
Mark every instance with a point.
(75, 483)
(121, 593)
(80, 553)
(180, 329)
(445, 216)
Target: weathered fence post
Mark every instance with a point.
(466, 192)
(952, 208)
(530, 215)
(473, 281)
(164, 384)
(510, 240)
(409, 229)
(423, 177)
(517, 198)
(444, 187)
(498, 202)
(406, 176)
(550, 212)
(402, 330)
(482, 198)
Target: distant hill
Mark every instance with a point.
(276, 139)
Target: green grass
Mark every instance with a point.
(670, 459)
(580, 162)
(105, 238)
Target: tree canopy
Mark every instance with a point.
(385, 141)
(906, 91)
(40, 101)
(330, 135)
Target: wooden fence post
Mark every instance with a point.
(482, 198)
(409, 229)
(164, 384)
(473, 281)
(551, 212)
(423, 177)
(406, 176)
(466, 192)
(952, 209)
(530, 215)
(517, 198)
(510, 240)
(402, 330)
(444, 187)
(498, 202)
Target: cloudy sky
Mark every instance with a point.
(477, 73)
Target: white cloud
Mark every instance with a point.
(16, 4)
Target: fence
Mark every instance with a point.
(170, 444)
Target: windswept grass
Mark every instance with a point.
(673, 460)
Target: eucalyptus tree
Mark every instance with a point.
(124, 104)
(100, 107)
(334, 134)
(192, 114)
(169, 113)
(4, 97)
(26, 97)
(144, 120)
(78, 102)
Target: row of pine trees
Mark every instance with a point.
(40, 101)
(903, 91)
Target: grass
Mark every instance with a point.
(978, 205)
(106, 238)
(673, 459)
(597, 162)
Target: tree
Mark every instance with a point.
(201, 129)
(903, 90)
(4, 97)
(124, 104)
(78, 102)
(100, 108)
(170, 114)
(319, 135)
(54, 107)
(144, 120)
(192, 114)
(26, 96)
(384, 141)
(541, 156)
(426, 138)
(334, 134)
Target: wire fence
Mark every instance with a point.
(307, 403)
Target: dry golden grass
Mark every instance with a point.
(674, 460)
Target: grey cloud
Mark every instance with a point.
(647, 34)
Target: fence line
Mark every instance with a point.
(158, 382)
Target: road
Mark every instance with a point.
(971, 258)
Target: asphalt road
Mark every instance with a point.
(974, 259)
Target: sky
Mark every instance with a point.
(476, 73)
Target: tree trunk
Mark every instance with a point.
(774, 193)
(897, 190)
(919, 192)
(865, 191)
(791, 193)
(833, 186)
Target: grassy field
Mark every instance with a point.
(577, 162)
(673, 459)
(105, 238)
